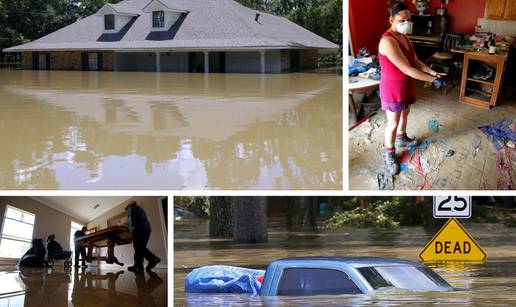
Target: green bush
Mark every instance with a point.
(361, 218)
(198, 205)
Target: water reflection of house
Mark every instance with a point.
(192, 109)
(177, 36)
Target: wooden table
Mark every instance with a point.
(108, 237)
(362, 86)
(476, 97)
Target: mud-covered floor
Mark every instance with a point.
(457, 157)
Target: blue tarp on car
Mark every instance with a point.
(223, 279)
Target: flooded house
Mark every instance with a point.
(220, 36)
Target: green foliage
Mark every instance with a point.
(323, 17)
(361, 218)
(200, 206)
(22, 21)
(382, 212)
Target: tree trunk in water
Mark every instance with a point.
(221, 217)
(302, 212)
(364, 202)
(249, 219)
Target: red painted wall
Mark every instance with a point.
(368, 19)
(463, 13)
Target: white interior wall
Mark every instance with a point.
(157, 242)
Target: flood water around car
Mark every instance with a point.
(121, 130)
(477, 284)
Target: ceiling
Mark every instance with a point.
(82, 207)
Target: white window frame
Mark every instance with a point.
(105, 23)
(93, 61)
(161, 20)
(12, 238)
(72, 232)
(42, 61)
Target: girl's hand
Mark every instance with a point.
(437, 74)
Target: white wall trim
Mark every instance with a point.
(163, 228)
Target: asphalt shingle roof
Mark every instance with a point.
(210, 24)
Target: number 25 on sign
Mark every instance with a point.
(452, 206)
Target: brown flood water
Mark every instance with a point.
(488, 284)
(118, 130)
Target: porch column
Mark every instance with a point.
(158, 62)
(262, 61)
(206, 62)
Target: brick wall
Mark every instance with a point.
(26, 60)
(67, 60)
(108, 60)
(308, 59)
(285, 60)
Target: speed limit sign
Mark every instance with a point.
(452, 206)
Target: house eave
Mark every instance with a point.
(175, 49)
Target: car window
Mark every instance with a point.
(374, 278)
(308, 281)
(412, 278)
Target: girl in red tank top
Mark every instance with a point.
(400, 68)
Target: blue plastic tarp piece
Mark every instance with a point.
(421, 146)
(223, 279)
(500, 132)
(433, 125)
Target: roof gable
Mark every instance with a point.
(157, 5)
(109, 8)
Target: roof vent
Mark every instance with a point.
(257, 17)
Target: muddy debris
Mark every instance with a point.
(441, 182)
(385, 181)
(450, 153)
(475, 145)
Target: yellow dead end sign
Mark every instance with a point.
(452, 243)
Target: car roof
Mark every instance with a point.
(356, 262)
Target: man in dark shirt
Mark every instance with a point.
(79, 249)
(141, 230)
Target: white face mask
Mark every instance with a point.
(403, 27)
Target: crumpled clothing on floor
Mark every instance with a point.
(500, 132)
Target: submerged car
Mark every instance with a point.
(318, 276)
(347, 275)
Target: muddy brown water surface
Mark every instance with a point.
(119, 130)
(488, 284)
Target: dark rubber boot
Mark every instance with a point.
(136, 268)
(152, 264)
(391, 163)
(405, 142)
